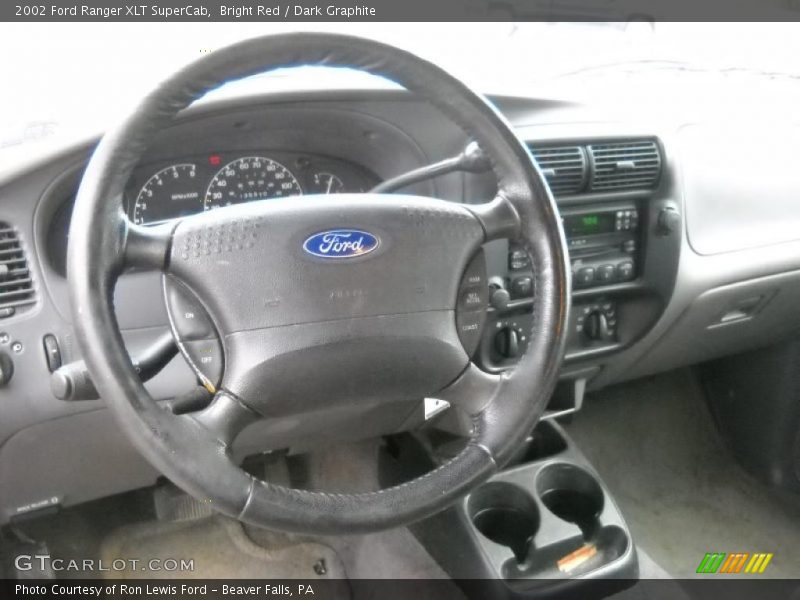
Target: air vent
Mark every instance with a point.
(16, 285)
(564, 167)
(629, 165)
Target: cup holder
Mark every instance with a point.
(571, 494)
(505, 514)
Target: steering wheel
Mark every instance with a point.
(368, 315)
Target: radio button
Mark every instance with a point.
(605, 273)
(518, 260)
(625, 270)
(585, 276)
(522, 287)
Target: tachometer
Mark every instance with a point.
(248, 179)
(172, 192)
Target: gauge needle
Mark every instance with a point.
(330, 185)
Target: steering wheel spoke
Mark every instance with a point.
(147, 247)
(499, 218)
(472, 391)
(224, 418)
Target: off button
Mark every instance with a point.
(207, 358)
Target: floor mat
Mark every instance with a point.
(391, 554)
(224, 548)
(218, 548)
(655, 445)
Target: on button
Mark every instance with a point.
(188, 315)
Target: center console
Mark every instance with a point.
(546, 523)
(605, 249)
(623, 237)
(544, 527)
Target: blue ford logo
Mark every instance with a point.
(341, 243)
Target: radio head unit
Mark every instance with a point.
(603, 242)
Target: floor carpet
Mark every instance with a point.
(654, 443)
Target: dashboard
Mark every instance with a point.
(652, 266)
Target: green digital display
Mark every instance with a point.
(589, 224)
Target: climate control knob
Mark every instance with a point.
(6, 368)
(595, 326)
(506, 342)
(669, 220)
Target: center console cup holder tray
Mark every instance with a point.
(547, 522)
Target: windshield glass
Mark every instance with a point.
(76, 79)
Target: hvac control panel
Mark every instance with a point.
(604, 242)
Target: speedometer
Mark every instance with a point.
(170, 193)
(248, 179)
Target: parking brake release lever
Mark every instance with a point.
(72, 382)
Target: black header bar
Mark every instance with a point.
(300, 11)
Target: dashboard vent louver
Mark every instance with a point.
(628, 165)
(564, 167)
(16, 284)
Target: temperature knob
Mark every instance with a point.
(506, 342)
(596, 326)
(6, 368)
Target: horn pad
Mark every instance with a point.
(319, 300)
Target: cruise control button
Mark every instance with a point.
(188, 315)
(470, 326)
(475, 274)
(207, 358)
(471, 299)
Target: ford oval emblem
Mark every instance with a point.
(341, 243)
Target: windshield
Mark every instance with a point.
(76, 79)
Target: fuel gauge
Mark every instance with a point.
(326, 183)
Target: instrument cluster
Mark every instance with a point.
(161, 192)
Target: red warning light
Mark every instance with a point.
(214, 159)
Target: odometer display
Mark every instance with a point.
(169, 194)
(248, 179)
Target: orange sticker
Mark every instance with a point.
(575, 559)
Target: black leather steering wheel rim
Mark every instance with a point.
(103, 242)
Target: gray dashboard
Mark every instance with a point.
(726, 279)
